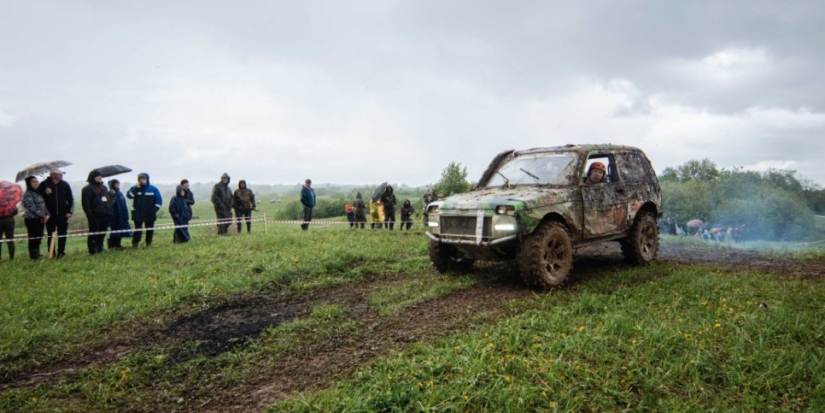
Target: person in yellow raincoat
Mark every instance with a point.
(376, 214)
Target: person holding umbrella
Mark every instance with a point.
(96, 204)
(36, 216)
(59, 200)
(10, 195)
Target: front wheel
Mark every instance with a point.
(547, 256)
(446, 258)
(642, 243)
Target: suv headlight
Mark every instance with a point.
(506, 210)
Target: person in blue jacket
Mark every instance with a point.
(308, 201)
(145, 206)
(181, 214)
(119, 223)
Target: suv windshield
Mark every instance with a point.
(540, 169)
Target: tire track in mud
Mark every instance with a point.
(218, 328)
(319, 364)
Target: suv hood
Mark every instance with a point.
(489, 198)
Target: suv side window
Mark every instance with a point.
(612, 172)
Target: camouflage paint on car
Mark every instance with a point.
(591, 212)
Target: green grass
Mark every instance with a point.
(47, 304)
(683, 340)
(662, 337)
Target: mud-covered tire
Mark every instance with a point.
(642, 243)
(547, 256)
(447, 258)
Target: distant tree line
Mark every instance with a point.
(775, 204)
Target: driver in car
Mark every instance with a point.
(596, 173)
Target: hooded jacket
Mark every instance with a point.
(147, 201)
(95, 198)
(178, 208)
(243, 199)
(222, 195)
(389, 201)
(307, 197)
(359, 205)
(407, 210)
(120, 212)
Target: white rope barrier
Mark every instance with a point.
(86, 233)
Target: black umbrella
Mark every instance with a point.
(40, 169)
(376, 195)
(112, 170)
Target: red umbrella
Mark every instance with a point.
(693, 223)
(10, 194)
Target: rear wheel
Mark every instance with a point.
(547, 256)
(642, 243)
(446, 258)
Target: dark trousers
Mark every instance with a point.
(389, 219)
(244, 216)
(407, 223)
(351, 219)
(360, 219)
(307, 218)
(7, 232)
(136, 234)
(95, 242)
(224, 220)
(34, 228)
(62, 226)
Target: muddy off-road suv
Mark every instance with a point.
(537, 206)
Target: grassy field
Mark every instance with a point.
(115, 331)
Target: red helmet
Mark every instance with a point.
(600, 166)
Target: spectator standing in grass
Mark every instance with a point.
(59, 200)
(389, 202)
(407, 212)
(222, 201)
(36, 216)
(429, 198)
(308, 202)
(243, 200)
(119, 223)
(96, 204)
(7, 232)
(350, 214)
(190, 197)
(145, 206)
(359, 209)
(181, 214)
(376, 214)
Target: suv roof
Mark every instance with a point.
(577, 148)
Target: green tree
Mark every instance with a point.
(453, 180)
(696, 170)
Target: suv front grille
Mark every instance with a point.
(465, 226)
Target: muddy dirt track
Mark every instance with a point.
(225, 325)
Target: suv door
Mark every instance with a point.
(605, 204)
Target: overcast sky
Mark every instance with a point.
(371, 91)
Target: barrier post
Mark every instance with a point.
(52, 243)
(264, 222)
